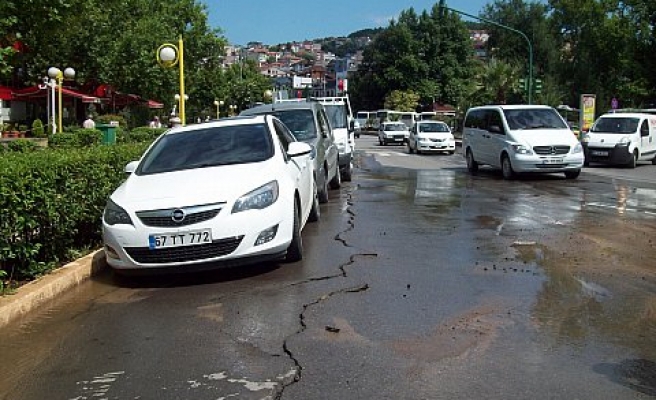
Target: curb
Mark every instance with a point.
(33, 295)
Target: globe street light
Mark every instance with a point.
(58, 75)
(177, 98)
(233, 109)
(168, 56)
(268, 94)
(218, 104)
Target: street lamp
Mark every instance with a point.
(233, 109)
(168, 56)
(218, 104)
(268, 94)
(58, 75)
(177, 98)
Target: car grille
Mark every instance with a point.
(217, 248)
(550, 150)
(437, 140)
(164, 218)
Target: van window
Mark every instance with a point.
(534, 118)
(494, 120)
(475, 119)
(644, 129)
(620, 125)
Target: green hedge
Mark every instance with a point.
(52, 203)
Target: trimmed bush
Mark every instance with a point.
(37, 129)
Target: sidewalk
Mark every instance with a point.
(33, 295)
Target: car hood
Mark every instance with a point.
(545, 137)
(192, 187)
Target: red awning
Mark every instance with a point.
(5, 93)
(154, 104)
(36, 92)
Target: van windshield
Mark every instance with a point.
(616, 125)
(336, 115)
(532, 118)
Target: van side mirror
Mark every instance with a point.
(495, 129)
(352, 125)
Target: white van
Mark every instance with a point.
(520, 138)
(621, 138)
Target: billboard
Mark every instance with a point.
(588, 103)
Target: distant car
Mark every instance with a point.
(393, 132)
(308, 122)
(431, 136)
(342, 123)
(231, 192)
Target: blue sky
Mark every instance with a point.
(280, 21)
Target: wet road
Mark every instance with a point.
(420, 282)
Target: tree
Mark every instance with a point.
(400, 100)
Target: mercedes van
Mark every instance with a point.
(520, 138)
(621, 139)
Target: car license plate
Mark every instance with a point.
(552, 161)
(163, 240)
(599, 153)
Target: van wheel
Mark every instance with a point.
(653, 161)
(472, 165)
(572, 174)
(634, 160)
(506, 168)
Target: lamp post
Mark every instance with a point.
(218, 103)
(168, 56)
(178, 98)
(522, 34)
(268, 95)
(233, 109)
(57, 74)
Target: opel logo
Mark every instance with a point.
(178, 215)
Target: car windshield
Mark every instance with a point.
(616, 125)
(208, 148)
(395, 127)
(336, 115)
(536, 118)
(433, 127)
(300, 122)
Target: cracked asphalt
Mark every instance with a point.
(419, 282)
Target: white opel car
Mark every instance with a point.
(231, 192)
(431, 136)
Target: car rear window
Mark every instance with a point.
(207, 148)
(300, 122)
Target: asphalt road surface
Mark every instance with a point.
(420, 282)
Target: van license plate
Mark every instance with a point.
(599, 153)
(552, 161)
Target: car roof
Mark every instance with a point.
(627, 115)
(268, 108)
(512, 107)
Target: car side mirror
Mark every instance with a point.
(131, 167)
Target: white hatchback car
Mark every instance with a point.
(431, 136)
(393, 132)
(230, 192)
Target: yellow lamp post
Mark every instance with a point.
(58, 75)
(218, 104)
(168, 56)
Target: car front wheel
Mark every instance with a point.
(472, 165)
(336, 182)
(323, 192)
(315, 211)
(572, 174)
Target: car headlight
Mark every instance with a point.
(258, 199)
(115, 214)
(521, 149)
(625, 141)
(577, 149)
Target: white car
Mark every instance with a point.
(224, 193)
(431, 136)
(393, 132)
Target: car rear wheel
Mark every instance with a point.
(472, 165)
(315, 211)
(410, 149)
(347, 173)
(295, 249)
(323, 192)
(336, 182)
(506, 168)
